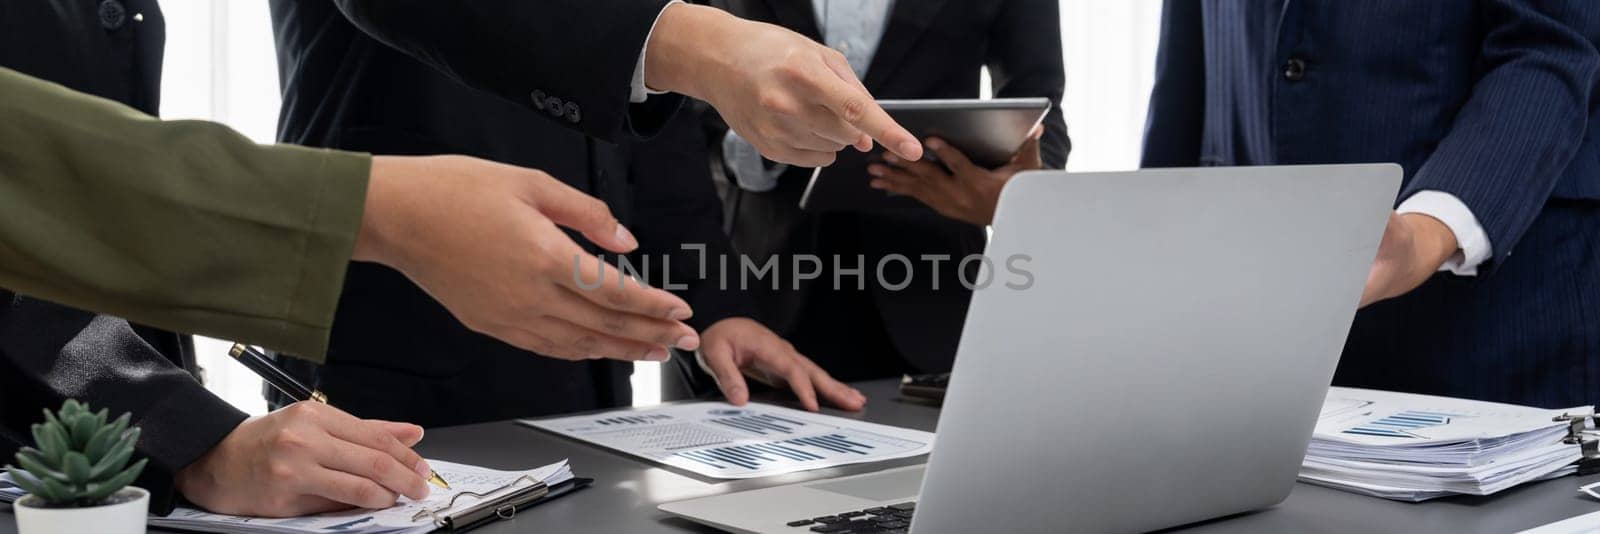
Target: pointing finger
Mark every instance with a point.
(844, 96)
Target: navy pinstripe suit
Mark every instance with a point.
(1492, 101)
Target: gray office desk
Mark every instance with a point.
(626, 491)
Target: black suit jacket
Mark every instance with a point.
(49, 352)
(404, 77)
(930, 49)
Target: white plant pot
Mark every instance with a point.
(126, 517)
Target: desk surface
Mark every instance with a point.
(626, 490)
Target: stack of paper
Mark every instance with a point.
(398, 519)
(1418, 447)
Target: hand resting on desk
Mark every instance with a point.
(735, 347)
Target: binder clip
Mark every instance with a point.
(1589, 446)
(505, 506)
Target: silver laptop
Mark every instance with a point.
(1165, 365)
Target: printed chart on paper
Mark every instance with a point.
(720, 440)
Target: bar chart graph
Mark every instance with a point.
(1401, 424)
(796, 451)
(761, 424)
(724, 441)
(623, 420)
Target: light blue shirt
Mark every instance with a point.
(854, 28)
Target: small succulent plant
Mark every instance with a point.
(78, 459)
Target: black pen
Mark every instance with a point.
(280, 380)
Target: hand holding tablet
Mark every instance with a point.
(984, 134)
(958, 189)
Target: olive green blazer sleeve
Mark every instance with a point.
(183, 225)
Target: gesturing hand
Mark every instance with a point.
(482, 239)
(736, 347)
(795, 100)
(307, 458)
(965, 192)
(1413, 247)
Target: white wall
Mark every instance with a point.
(1110, 50)
(220, 66)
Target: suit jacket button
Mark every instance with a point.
(553, 105)
(573, 114)
(538, 99)
(1294, 70)
(112, 14)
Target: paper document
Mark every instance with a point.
(1417, 447)
(393, 520)
(721, 440)
(1592, 490)
(1584, 524)
(1370, 417)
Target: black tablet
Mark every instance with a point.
(987, 131)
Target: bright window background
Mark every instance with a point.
(220, 66)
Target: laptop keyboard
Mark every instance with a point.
(892, 519)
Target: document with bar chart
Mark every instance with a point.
(1411, 447)
(1386, 418)
(721, 440)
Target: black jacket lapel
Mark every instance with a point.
(906, 23)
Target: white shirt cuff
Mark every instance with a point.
(1470, 237)
(639, 93)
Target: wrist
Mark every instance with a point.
(194, 479)
(372, 238)
(184, 481)
(1435, 243)
(989, 201)
(675, 58)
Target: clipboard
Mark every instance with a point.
(463, 516)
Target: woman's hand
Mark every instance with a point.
(958, 189)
